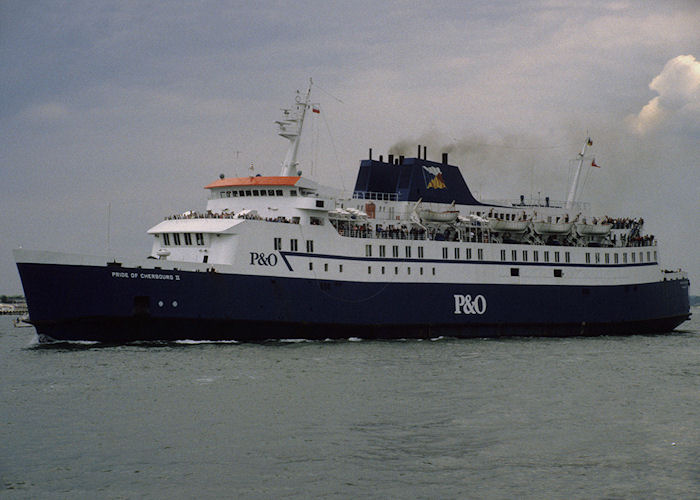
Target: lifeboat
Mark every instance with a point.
(542, 227)
(507, 226)
(593, 229)
(433, 216)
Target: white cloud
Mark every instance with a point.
(678, 86)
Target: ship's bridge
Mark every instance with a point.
(269, 197)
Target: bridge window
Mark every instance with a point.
(234, 194)
(278, 243)
(247, 192)
(588, 257)
(556, 256)
(641, 256)
(293, 192)
(444, 252)
(546, 256)
(624, 258)
(382, 250)
(408, 252)
(271, 192)
(514, 255)
(633, 255)
(480, 253)
(597, 257)
(176, 239)
(616, 257)
(567, 256)
(256, 192)
(503, 255)
(468, 253)
(166, 239)
(525, 255)
(199, 238)
(395, 251)
(607, 258)
(655, 258)
(309, 246)
(279, 192)
(420, 252)
(241, 192)
(456, 253)
(368, 250)
(293, 245)
(188, 239)
(535, 255)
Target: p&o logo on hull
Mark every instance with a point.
(465, 304)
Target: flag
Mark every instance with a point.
(590, 142)
(593, 164)
(315, 109)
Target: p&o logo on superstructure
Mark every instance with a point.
(262, 259)
(465, 304)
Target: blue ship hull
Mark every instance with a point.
(116, 304)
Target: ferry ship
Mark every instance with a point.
(411, 254)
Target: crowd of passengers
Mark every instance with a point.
(226, 215)
(390, 232)
(638, 241)
(616, 223)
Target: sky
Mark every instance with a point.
(116, 114)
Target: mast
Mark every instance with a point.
(571, 199)
(290, 128)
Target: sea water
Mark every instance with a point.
(605, 417)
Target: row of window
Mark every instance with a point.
(294, 245)
(382, 269)
(255, 192)
(606, 256)
(616, 257)
(407, 253)
(183, 238)
(536, 256)
(525, 255)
